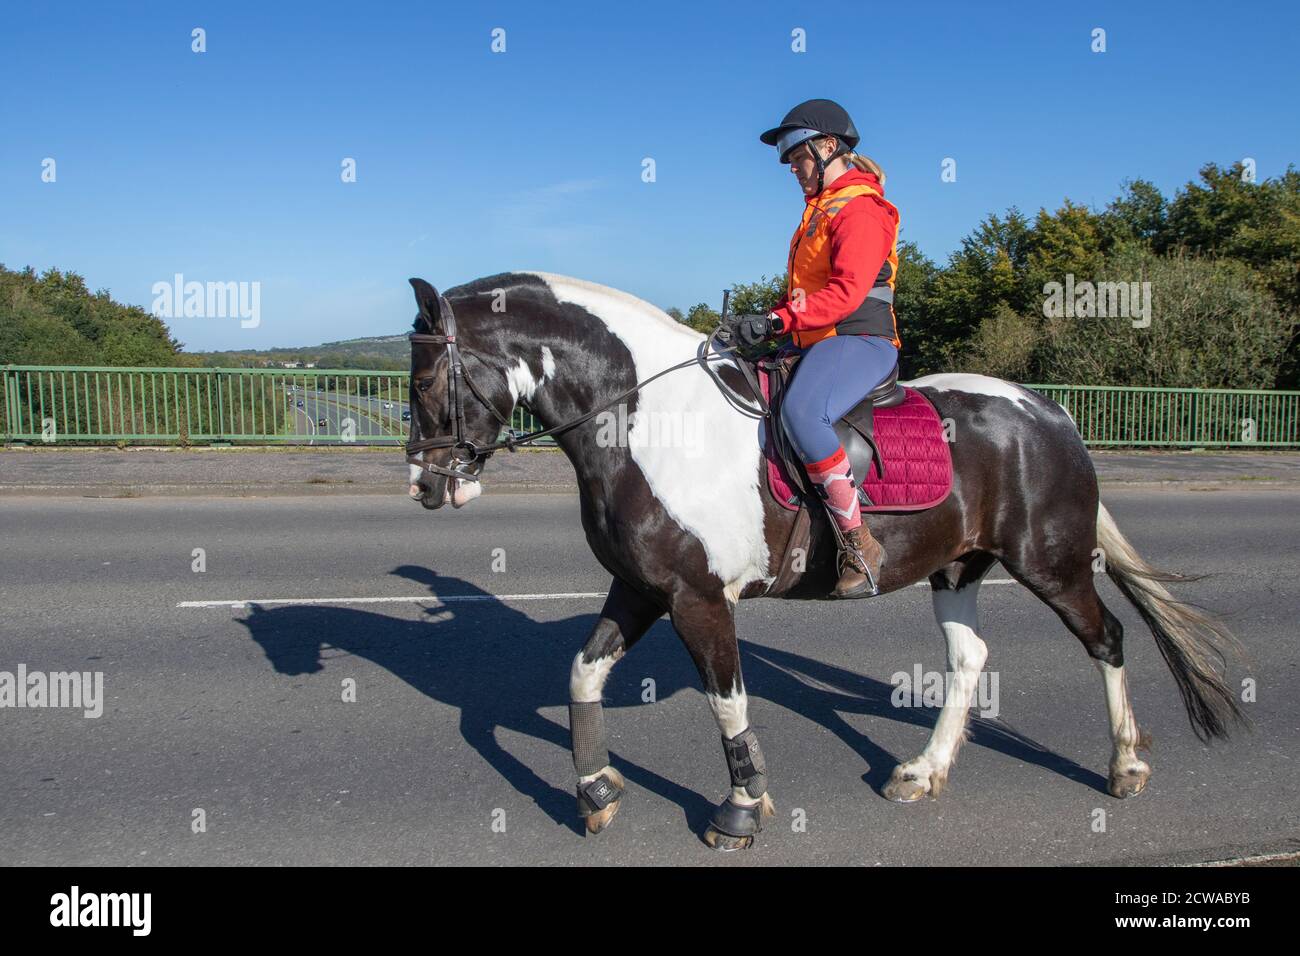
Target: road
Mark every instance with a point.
(460, 716)
(369, 417)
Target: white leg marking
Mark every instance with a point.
(732, 714)
(587, 680)
(956, 613)
(586, 684)
(1124, 732)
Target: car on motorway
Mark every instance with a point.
(406, 415)
(300, 404)
(388, 404)
(322, 422)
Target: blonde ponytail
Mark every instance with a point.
(867, 165)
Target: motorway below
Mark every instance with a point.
(460, 715)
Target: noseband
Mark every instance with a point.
(715, 348)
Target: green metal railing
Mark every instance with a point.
(1180, 417)
(204, 405)
(338, 406)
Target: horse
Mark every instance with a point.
(688, 529)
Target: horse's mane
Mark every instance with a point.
(541, 280)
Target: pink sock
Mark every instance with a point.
(835, 479)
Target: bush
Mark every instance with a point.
(1213, 324)
(1003, 346)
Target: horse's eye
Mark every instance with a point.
(424, 384)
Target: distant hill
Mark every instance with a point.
(380, 352)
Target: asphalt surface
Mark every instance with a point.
(357, 469)
(460, 720)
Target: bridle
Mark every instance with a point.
(458, 379)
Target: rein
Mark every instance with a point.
(458, 375)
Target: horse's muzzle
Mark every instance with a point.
(433, 491)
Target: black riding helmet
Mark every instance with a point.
(809, 120)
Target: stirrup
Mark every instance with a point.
(857, 558)
(853, 556)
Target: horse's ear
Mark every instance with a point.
(426, 296)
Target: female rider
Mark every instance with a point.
(839, 310)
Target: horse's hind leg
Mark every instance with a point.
(954, 593)
(1072, 594)
(1128, 774)
(706, 625)
(626, 616)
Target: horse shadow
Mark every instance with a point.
(500, 668)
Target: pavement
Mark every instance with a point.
(352, 680)
(252, 472)
(264, 472)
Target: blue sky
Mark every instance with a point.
(225, 165)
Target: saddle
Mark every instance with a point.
(894, 440)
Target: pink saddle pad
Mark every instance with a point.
(918, 462)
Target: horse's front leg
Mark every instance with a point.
(954, 609)
(706, 625)
(626, 616)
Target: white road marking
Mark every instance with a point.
(447, 599)
(408, 599)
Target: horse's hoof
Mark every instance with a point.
(1129, 783)
(725, 842)
(596, 822)
(733, 825)
(599, 799)
(905, 787)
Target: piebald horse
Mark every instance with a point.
(689, 531)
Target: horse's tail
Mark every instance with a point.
(1193, 644)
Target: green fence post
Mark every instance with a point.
(221, 405)
(10, 403)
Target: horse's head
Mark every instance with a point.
(454, 417)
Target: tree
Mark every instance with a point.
(989, 269)
(920, 332)
(1227, 215)
(1140, 214)
(757, 298)
(54, 319)
(702, 318)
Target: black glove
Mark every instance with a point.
(754, 330)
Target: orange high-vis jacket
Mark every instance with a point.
(843, 263)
